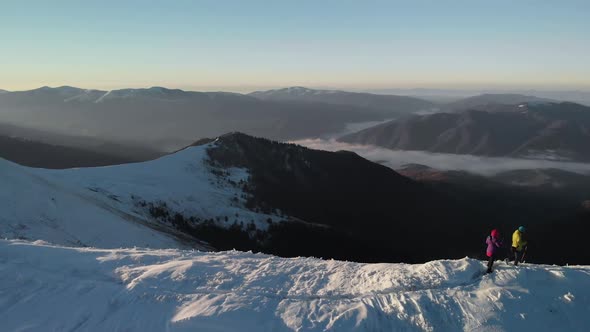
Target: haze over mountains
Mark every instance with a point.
(46, 149)
(168, 119)
(139, 124)
(36, 154)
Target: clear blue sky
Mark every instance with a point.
(244, 45)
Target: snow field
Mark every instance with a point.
(49, 288)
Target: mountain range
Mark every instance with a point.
(451, 95)
(141, 124)
(388, 105)
(168, 119)
(488, 101)
(533, 130)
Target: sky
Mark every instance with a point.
(248, 45)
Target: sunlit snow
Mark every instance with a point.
(47, 288)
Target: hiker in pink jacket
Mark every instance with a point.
(494, 244)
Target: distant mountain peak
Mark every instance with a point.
(299, 88)
(65, 93)
(163, 90)
(293, 91)
(151, 92)
(66, 88)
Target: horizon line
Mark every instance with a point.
(379, 90)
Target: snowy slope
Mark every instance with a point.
(100, 206)
(47, 288)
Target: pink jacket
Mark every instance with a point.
(493, 245)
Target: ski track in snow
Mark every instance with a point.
(50, 288)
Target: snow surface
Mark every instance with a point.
(49, 288)
(100, 206)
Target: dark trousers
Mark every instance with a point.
(491, 260)
(516, 255)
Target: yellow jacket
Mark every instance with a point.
(518, 241)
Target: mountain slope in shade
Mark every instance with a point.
(543, 131)
(532, 178)
(35, 154)
(388, 105)
(124, 151)
(554, 178)
(341, 190)
(173, 290)
(382, 212)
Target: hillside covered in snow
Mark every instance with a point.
(49, 288)
(111, 207)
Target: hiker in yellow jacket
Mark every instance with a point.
(518, 244)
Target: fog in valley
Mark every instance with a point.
(442, 161)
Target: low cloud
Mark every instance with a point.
(443, 161)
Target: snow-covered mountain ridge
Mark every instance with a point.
(175, 290)
(105, 206)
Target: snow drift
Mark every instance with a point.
(50, 288)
